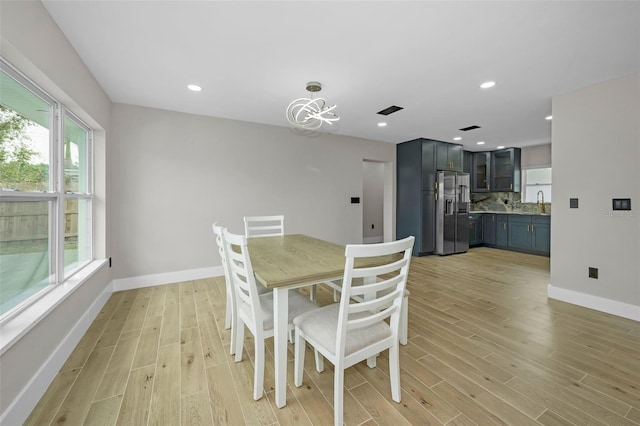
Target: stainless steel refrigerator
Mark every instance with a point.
(452, 213)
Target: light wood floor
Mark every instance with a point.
(486, 347)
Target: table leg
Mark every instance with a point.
(280, 335)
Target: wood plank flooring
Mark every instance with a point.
(485, 347)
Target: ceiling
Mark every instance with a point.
(430, 57)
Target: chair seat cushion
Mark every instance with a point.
(322, 325)
(298, 304)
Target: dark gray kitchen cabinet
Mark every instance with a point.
(489, 226)
(520, 232)
(449, 157)
(541, 230)
(475, 229)
(531, 234)
(502, 230)
(481, 172)
(416, 179)
(505, 170)
(467, 163)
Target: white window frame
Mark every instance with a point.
(56, 192)
(526, 185)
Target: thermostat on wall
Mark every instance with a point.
(622, 203)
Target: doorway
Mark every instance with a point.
(377, 201)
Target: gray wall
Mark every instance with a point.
(596, 152)
(173, 174)
(31, 41)
(536, 156)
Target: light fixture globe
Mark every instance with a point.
(309, 113)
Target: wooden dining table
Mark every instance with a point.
(287, 262)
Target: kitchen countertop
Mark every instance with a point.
(506, 212)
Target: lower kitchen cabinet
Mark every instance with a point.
(518, 232)
(502, 230)
(530, 233)
(475, 230)
(489, 226)
(541, 229)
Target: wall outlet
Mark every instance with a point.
(593, 272)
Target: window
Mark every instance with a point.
(45, 192)
(536, 180)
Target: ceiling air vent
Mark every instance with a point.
(466, 129)
(390, 110)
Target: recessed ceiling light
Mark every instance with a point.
(549, 117)
(194, 87)
(457, 138)
(382, 124)
(487, 84)
(500, 147)
(480, 142)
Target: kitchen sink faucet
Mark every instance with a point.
(540, 195)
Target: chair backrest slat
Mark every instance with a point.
(377, 299)
(243, 280)
(263, 226)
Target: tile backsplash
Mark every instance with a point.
(508, 202)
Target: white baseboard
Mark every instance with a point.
(166, 278)
(24, 403)
(613, 307)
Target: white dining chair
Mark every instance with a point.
(254, 310)
(263, 226)
(403, 334)
(270, 226)
(230, 314)
(350, 331)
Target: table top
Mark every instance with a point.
(291, 259)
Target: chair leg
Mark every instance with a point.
(232, 338)
(404, 320)
(319, 360)
(338, 395)
(291, 336)
(239, 339)
(394, 371)
(227, 315)
(258, 374)
(336, 296)
(298, 362)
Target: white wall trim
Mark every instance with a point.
(166, 278)
(24, 403)
(613, 307)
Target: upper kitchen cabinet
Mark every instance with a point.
(416, 190)
(449, 157)
(505, 170)
(467, 165)
(481, 172)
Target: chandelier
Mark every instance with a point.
(309, 113)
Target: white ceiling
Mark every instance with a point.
(253, 58)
